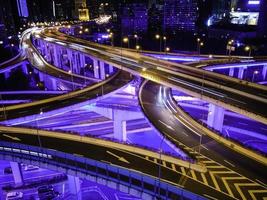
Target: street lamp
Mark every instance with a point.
(167, 49)
(198, 45)
(70, 72)
(137, 47)
(165, 40)
(254, 73)
(158, 37)
(136, 39)
(126, 40)
(248, 49)
(111, 36)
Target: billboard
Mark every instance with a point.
(244, 18)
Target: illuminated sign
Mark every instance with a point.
(254, 2)
(245, 18)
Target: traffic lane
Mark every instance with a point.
(12, 62)
(104, 154)
(51, 70)
(231, 98)
(181, 133)
(234, 99)
(199, 73)
(119, 80)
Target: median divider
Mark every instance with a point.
(105, 143)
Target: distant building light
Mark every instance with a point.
(254, 2)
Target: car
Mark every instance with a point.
(14, 196)
(45, 189)
(7, 170)
(30, 167)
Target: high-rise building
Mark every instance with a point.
(180, 15)
(155, 18)
(22, 8)
(9, 16)
(134, 18)
(262, 24)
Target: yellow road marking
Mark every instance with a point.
(204, 178)
(193, 174)
(214, 181)
(173, 167)
(251, 192)
(238, 185)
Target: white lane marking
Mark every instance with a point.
(166, 125)
(187, 126)
(261, 182)
(210, 197)
(184, 133)
(204, 147)
(229, 163)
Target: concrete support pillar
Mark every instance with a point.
(76, 63)
(75, 186)
(110, 69)
(82, 60)
(51, 83)
(7, 75)
(96, 68)
(231, 72)
(264, 72)
(102, 70)
(55, 55)
(69, 54)
(119, 124)
(41, 76)
(241, 72)
(215, 117)
(24, 68)
(17, 173)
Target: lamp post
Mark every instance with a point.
(158, 37)
(167, 49)
(137, 47)
(111, 36)
(248, 49)
(254, 73)
(165, 41)
(70, 72)
(136, 39)
(126, 40)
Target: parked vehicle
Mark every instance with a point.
(14, 196)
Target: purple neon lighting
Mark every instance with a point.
(253, 2)
(235, 126)
(176, 57)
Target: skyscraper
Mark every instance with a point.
(262, 24)
(180, 15)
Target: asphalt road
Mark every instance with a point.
(120, 79)
(159, 108)
(189, 79)
(136, 162)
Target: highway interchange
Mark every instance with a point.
(222, 179)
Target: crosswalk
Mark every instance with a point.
(220, 178)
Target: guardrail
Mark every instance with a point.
(147, 186)
(106, 143)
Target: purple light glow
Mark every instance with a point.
(253, 2)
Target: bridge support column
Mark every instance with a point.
(55, 56)
(24, 68)
(264, 72)
(96, 69)
(51, 83)
(110, 69)
(7, 75)
(241, 72)
(69, 55)
(119, 124)
(231, 72)
(82, 60)
(41, 76)
(102, 70)
(17, 173)
(215, 117)
(75, 186)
